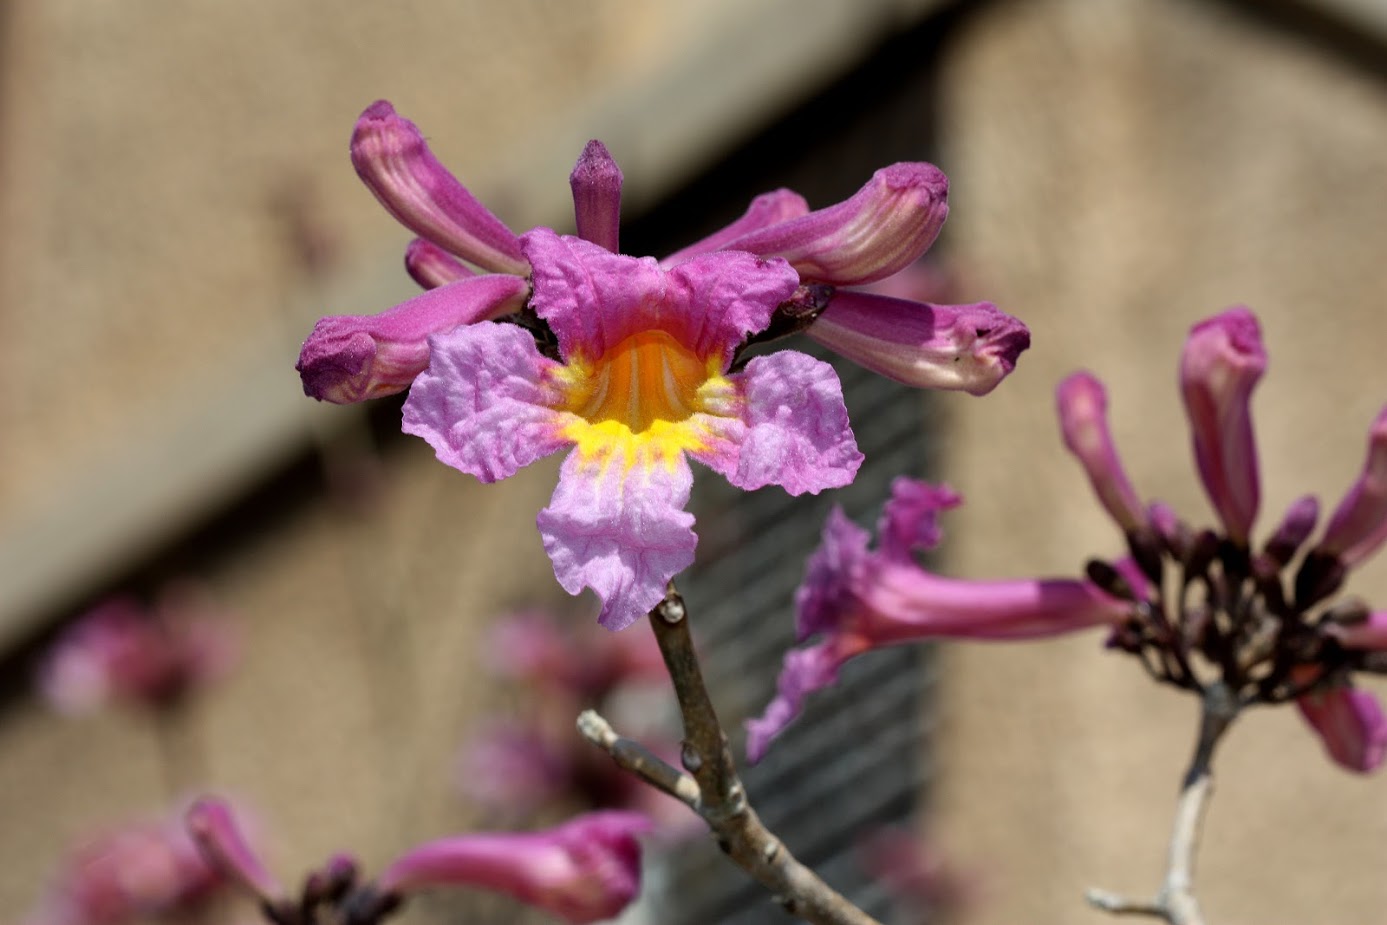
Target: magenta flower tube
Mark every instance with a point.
(880, 230)
(392, 158)
(219, 839)
(596, 185)
(586, 870)
(1083, 413)
(968, 348)
(1358, 526)
(1350, 724)
(352, 358)
(1222, 362)
(431, 266)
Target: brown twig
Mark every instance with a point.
(714, 790)
(1175, 902)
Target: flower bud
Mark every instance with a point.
(969, 348)
(596, 185)
(1083, 413)
(1222, 362)
(392, 158)
(1359, 524)
(223, 845)
(431, 266)
(1350, 724)
(352, 358)
(880, 230)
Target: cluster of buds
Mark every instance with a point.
(585, 870)
(1208, 605)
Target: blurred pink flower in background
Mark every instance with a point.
(134, 872)
(917, 874)
(123, 652)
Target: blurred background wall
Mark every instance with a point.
(177, 207)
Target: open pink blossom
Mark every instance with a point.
(857, 599)
(479, 271)
(642, 381)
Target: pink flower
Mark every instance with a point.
(122, 652)
(541, 651)
(881, 230)
(125, 875)
(857, 599)
(642, 379)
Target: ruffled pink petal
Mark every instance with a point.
(910, 518)
(967, 348)
(797, 431)
(486, 404)
(351, 358)
(803, 672)
(825, 601)
(594, 299)
(1351, 725)
(880, 230)
(617, 525)
(596, 185)
(392, 158)
(765, 210)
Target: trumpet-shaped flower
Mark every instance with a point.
(642, 380)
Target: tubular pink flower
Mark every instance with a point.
(1222, 362)
(1358, 526)
(1350, 723)
(1083, 413)
(859, 600)
(586, 870)
(643, 382)
(880, 230)
(214, 829)
(392, 158)
(431, 266)
(513, 768)
(765, 210)
(351, 358)
(969, 348)
(596, 184)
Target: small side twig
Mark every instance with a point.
(1175, 902)
(714, 790)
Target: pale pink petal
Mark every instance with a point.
(351, 358)
(804, 671)
(617, 525)
(825, 600)
(968, 348)
(485, 403)
(765, 210)
(392, 158)
(797, 433)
